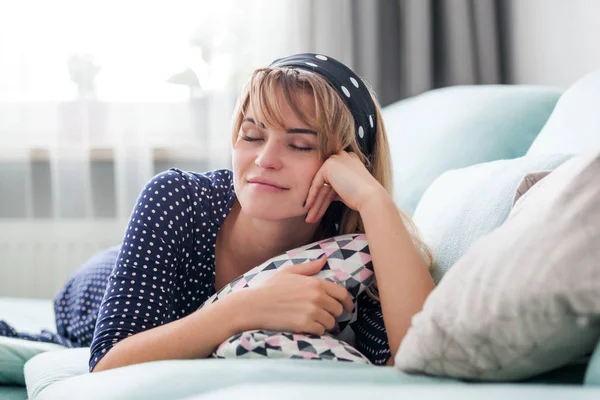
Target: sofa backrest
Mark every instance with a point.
(459, 126)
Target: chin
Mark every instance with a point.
(267, 210)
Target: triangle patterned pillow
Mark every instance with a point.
(348, 264)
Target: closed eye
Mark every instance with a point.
(301, 148)
(249, 139)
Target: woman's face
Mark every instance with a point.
(288, 159)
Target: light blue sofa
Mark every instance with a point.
(430, 135)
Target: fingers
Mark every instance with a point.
(340, 294)
(313, 328)
(316, 187)
(309, 268)
(332, 306)
(323, 199)
(337, 293)
(324, 319)
(328, 200)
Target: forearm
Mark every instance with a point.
(192, 337)
(403, 279)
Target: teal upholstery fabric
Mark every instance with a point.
(63, 375)
(29, 315)
(350, 391)
(465, 204)
(574, 126)
(14, 353)
(592, 374)
(460, 126)
(13, 393)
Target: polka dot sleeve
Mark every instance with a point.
(156, 245)
(369, 329)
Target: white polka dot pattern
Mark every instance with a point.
(346, 91)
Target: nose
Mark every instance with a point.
(269, 156)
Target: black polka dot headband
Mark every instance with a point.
(348, 85)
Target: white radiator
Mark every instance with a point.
(37, 257)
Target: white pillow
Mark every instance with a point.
(524, 299)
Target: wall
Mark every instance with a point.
(552, 42)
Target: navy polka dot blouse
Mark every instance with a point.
(164, 270)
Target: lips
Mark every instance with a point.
(266, 182)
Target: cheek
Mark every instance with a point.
(315, 165)
(309, 170)
(240, 158)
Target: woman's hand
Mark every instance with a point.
(349, 181)
(293, 300)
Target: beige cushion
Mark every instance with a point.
(524, 299)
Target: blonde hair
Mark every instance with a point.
(336, 130)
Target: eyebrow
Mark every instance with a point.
(293, 130)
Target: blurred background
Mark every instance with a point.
(96, 97)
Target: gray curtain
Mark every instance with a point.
(406, 47)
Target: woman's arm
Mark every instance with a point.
(403, 280)
(194, 336)
(150, 283)
(290, 300)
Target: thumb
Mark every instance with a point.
(310, 268)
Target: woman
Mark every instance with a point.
(310, 161)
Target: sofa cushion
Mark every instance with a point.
(64, 375)
(592, 374)
(349, 391)
(524, 299)
(14, 353)
(465, 204)
(26, 315)
(574, 126)
(459, 126)
(48, 368)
